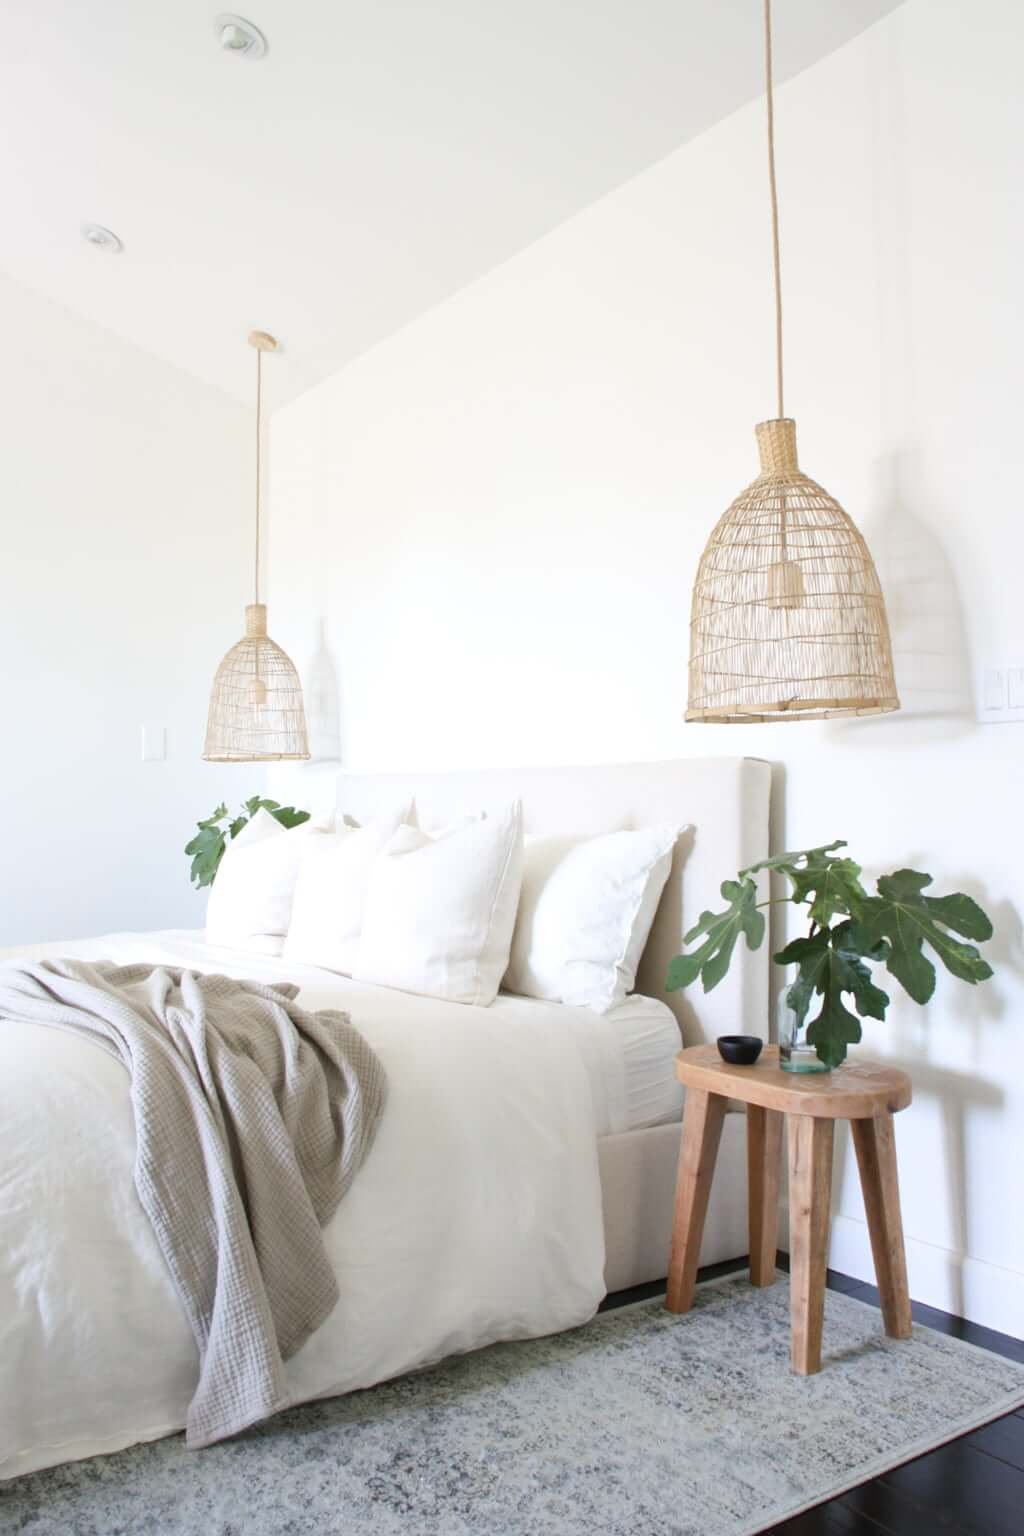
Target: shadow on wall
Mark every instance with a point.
(323, 701)
(959, 1094)
(926, 621)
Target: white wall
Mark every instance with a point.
(124, 566)
(497, 516)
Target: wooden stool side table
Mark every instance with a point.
(865, 1094)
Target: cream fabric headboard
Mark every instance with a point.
(724, 802)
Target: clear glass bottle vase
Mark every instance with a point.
(795, 1053)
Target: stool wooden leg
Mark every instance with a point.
(876, 1159)
(703, 1116)
(764, 1149)
(810, 1189)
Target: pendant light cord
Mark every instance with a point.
(259, 442)
(774, 200)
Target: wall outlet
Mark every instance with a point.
(1000, 692)
(154, 743)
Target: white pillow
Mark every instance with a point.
(327, 912)
(585, 912)
(251, 897)
(439, 911)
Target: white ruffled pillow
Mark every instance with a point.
(250, 901)
(327, 912)
(439, 911)
(585, 913)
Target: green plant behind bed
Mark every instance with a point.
(207, 847)
(850, 930)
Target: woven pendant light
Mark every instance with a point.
(256, 712)
(788, 620)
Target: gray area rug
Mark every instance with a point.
(639, 1424)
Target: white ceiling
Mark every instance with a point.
(382, 155)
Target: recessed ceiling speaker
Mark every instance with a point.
(239, 37)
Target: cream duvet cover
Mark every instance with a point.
(476, 1217)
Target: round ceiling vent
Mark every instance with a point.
(240, 37)
(102, 238)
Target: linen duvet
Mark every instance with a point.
(475, 1217)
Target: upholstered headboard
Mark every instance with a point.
(724, 802)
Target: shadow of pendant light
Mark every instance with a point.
(256, 712)
(788, 620)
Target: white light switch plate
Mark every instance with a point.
(1000, 692)
(154, 743)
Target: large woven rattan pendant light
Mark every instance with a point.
(788, 619)
(256, 712)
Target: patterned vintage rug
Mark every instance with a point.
(640, 1424)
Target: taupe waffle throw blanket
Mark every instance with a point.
(252, 1118)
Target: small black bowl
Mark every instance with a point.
(740, 1050)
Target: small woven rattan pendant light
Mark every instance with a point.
(256, 712)
(788, 619)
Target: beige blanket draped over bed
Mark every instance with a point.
(252, 1117)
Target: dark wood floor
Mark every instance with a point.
(973, 1486)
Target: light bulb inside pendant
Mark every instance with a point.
(785, 578)
(785, 585)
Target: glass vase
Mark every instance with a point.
(795, 1052)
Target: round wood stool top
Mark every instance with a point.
(858, 1090)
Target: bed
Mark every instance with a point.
(524, 1165)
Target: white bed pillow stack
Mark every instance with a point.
(250, 903)
(327, 912)
(455, 914)
(585, 913)
(439, 911)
